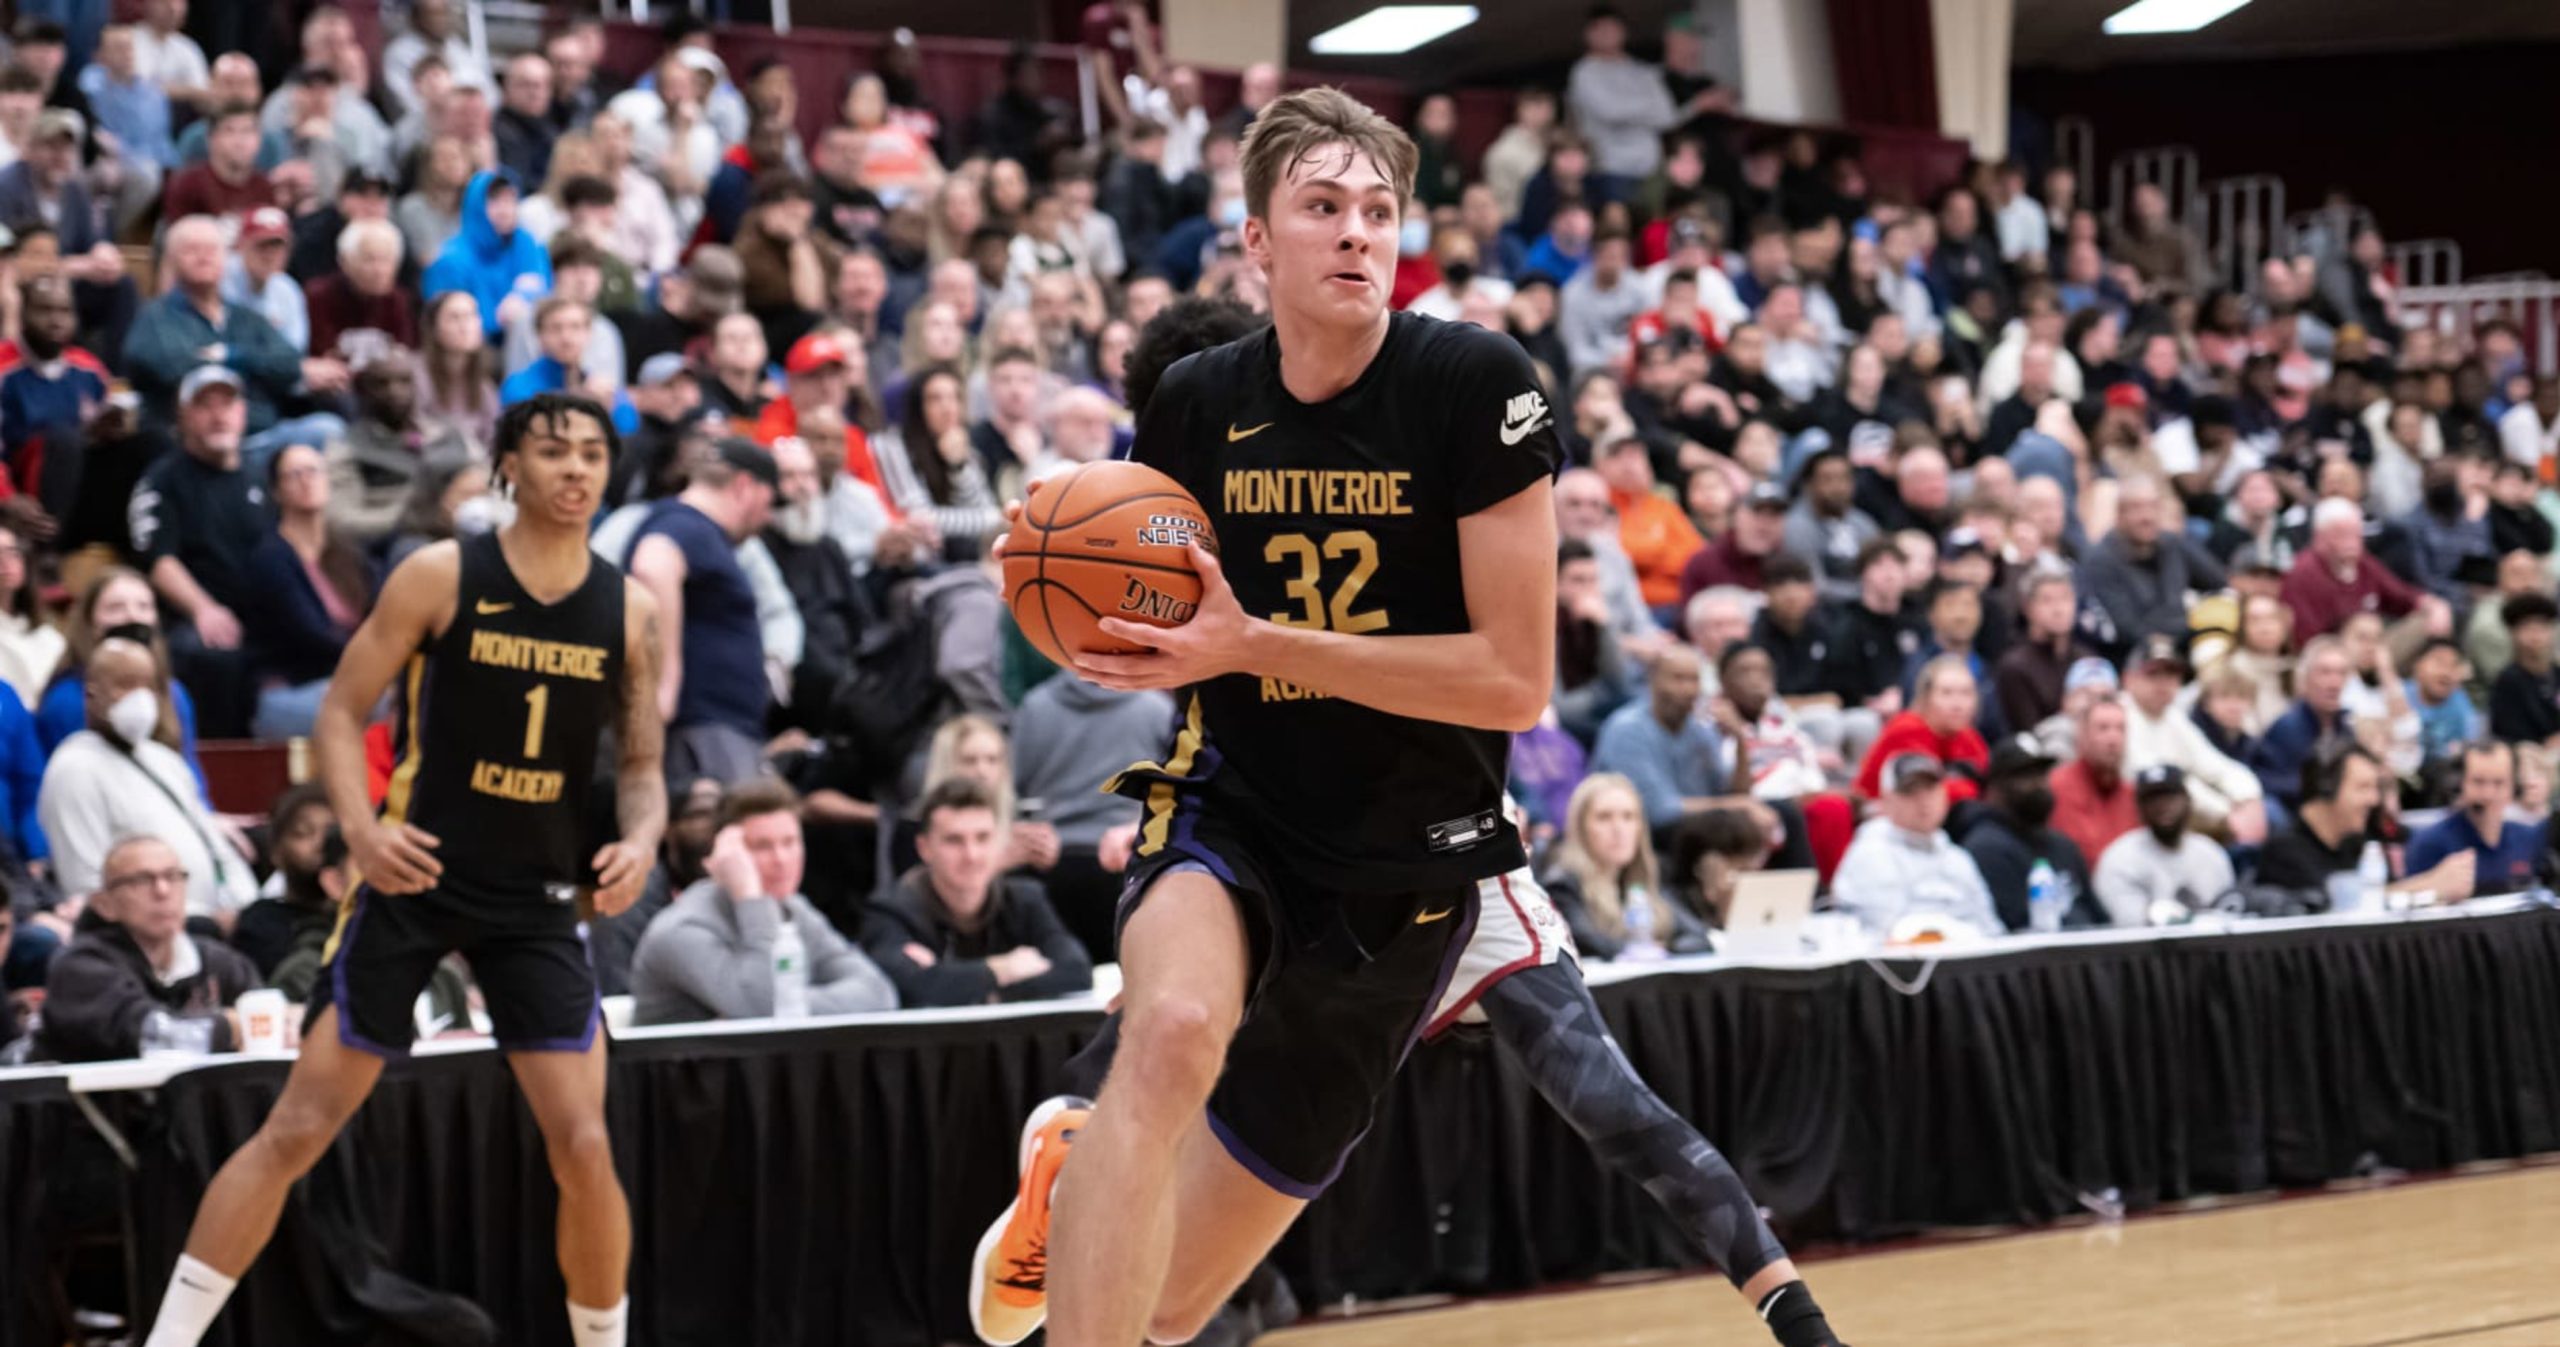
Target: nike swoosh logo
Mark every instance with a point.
(487, 609)
(1514, 433)
(1429, 917)
(1234, 434)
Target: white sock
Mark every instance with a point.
(196, 1295)
(599, 1328)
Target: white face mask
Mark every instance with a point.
(135, 715)
(483, 514)
(802, 522)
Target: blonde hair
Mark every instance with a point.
(1604, 894)
(2536, 759)
(942, 759)
(1295, 126)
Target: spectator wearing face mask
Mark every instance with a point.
(118, 777)
(2161, 866)
(2010, 834)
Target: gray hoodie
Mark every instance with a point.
(1070, 737)
(709, 958)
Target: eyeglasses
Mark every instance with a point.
(174, 877)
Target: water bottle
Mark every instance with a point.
(1639, 912)
(2373, 875)
(790, 972)
(2044, 899)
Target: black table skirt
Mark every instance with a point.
(826, 1186)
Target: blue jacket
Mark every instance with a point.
(75, 224)
(34, 400)
(479, 261)
(546, 375)
(2283, 749)
(21, 775)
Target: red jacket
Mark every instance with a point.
(1908, 733)
(2092, 818)
(2321, 604)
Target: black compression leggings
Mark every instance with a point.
(1546, 1021)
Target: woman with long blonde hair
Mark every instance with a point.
(1604, 867)
(2264, 655)
(574, 155)
(973, 746)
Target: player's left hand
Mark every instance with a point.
(1211, 644)
(621, 870)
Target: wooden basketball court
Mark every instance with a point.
(2464, 1261)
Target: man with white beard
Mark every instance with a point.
(820, 577)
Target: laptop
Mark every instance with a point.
(1766, 918)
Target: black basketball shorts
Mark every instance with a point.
(1340, 986)
(527, 952)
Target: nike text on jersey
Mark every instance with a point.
(1522, 416)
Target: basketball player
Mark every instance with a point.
(1380, 618)
(1519, 974)
(511, 652)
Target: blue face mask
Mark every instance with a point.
(1231, 214)
(1414, 238)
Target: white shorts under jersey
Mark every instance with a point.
(1516, 928)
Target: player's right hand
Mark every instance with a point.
(397, 859)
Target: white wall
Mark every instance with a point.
(1972, 37)
(1787, 73)
(1228, 33)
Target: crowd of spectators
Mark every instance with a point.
(1987, 552)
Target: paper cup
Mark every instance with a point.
(262, 1021)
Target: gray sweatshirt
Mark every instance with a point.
(710, 958)
(1070, 737)
(1623, 108)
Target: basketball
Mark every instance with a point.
(1104, 540)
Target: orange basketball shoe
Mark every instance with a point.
(1009, 1278)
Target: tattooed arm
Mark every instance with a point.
(640, 787)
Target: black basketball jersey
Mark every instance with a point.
(1344, 515)
(497, 724)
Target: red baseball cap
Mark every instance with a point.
(2128, 396)
(815, 352)
(265, 225)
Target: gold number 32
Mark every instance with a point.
(1306, 588)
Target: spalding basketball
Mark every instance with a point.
(1103, 540)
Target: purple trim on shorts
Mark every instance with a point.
(586, 1038)
(1458, 941)
(347, 1034)
(1261, 1169)
(595, 1013)
(1186, 817)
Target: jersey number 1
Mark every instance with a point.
(537, 704)
(1307, 587)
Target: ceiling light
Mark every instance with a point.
(1390, 29)
(2167, 16)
